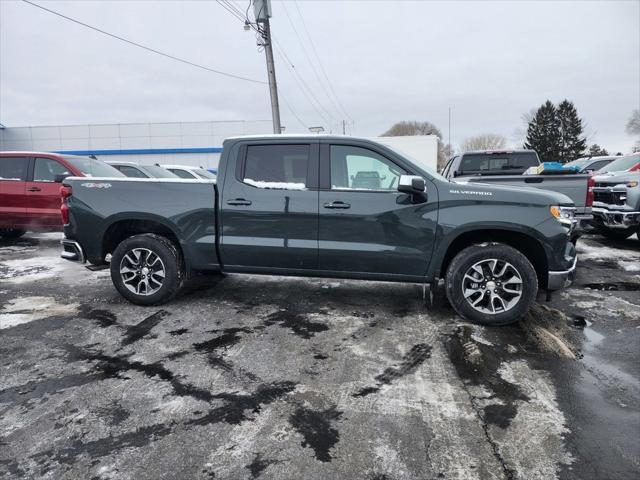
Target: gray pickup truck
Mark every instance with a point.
(616, 204)
(506, 167)
(324, 206)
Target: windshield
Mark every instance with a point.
(622, 164)
(504, 162)
(159, 172)
(580, 162)
(204, 173)
(93, 168)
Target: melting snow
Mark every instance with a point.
(27, 309)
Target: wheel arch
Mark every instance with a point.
(123, 227)
(525, 243)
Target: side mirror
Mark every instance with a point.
(411, 184)
(455, 173)
(59, 177)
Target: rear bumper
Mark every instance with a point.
(72, 251)
(616, 218)
(557, 280)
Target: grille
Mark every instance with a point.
(612, 198)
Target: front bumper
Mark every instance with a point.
(72, 250)
(616, 218)
(557, 280)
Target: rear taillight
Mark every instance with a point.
(635, 168)
(65, 192)
(590, 184)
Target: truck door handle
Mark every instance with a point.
(337, 205)
(533, 180)
(239, 202)
(33, 189)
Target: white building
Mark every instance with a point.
(189, 143)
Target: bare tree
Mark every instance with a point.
(486, 141)
(411, 128)
(405, 129)
(633, 125)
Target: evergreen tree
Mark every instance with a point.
(572, 143)
(543, 133)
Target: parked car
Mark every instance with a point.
(591, 164)
(628, 163)
(506, 167)
(287, 205)
(131, 169)
(616, 205)
(186, 171)
(29, 196)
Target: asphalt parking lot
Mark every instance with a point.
(269, 377)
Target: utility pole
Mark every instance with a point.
(343, 128)
(262, 11)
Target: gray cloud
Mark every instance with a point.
(387, 60)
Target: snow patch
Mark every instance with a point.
(276, 185)
(27, 309)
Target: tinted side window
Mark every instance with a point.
(277, 166)
(356, 168)
(46, 169)
(598, 165)
(132, 171)
(181, 173)
(13, 168)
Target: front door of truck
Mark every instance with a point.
(269, 207)
(43, 193)
(366, 225)
(13, 205)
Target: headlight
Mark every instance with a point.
(564, 215)
(632, 184)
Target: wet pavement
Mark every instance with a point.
(270, 377)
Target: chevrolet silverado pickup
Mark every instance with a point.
(616, 205)
(325, 206)
(506, 167)
(29, 195)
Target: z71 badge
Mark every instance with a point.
(96, 185)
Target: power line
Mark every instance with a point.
(302, 85)
(144, 47)
(315, 51)
(306, 54)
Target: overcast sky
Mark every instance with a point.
(386, 60)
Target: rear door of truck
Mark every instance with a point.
(269, 206)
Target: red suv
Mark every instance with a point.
(29, 194)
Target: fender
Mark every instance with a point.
(445, 241)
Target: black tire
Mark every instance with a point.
(171, 263)
(11, 233)
(470, 257)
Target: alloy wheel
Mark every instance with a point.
(492, 286)
(142, 271)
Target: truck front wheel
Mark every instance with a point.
(147, 269)
(491, 283)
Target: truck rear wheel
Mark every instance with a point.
(147, 269)
(11, 233)
(491, 284)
